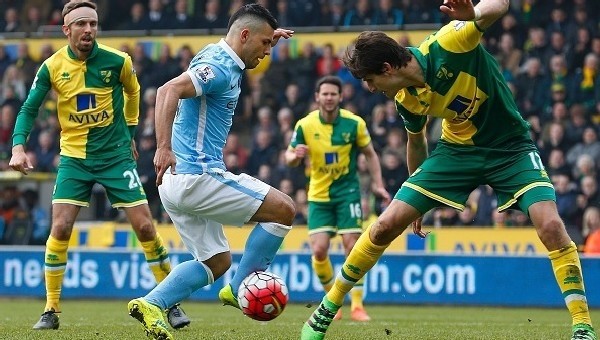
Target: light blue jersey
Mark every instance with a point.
(202, 123)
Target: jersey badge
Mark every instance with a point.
(205, 73)
(105, 75)
(443, 73)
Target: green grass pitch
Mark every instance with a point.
(94, 319)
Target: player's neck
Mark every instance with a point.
(82, 56)
(414, 73)
(329, 116)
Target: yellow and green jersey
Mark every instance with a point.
(464, 86)
(332, 151)
(98, 102)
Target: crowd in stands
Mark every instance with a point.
(547, 50)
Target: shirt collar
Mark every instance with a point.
(231, 53)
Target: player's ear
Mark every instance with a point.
(244, 35)
(65, 30)
(386, 68)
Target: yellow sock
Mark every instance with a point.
(54, 271)
(360, 260)
(157, 258)
(356, 294)
(324, 271)
(567, 270)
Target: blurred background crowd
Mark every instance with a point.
(547, 50)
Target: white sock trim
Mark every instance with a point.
(211, 277)
(276, 229)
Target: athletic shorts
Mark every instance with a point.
(343, 217)
(452, 172)
(199, 206)
(118, 176)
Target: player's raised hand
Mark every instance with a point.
(281, 33)
(383, 194)
(164, 158)
(417, 225)
(458, 9)
(19, 161)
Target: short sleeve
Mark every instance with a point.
(297, 137)
(208, 78)
(413, 123)
(363, 138)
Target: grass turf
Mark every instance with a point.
(94, 319)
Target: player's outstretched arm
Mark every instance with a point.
(485, 13)
(167, 98)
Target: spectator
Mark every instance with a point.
(181, 19)
(13, 80)
(293, 100)
(263, 153)
(508, 56)
(265, 122)
(302, 13)
(11, 21)
(137, 18)
(387, 14)
(360, 15)
(39, 217)
(156, 17)
(304, 70)
(211, 18)
(165, 68)
(586, 82)
(585, 166)
(576, 124)
(332, 15)
(486, 205)
(25, 63)
(530, 93)
(33, 20)
(589, 146)
(145, 168)
(328, 63)
(233, 146)
(581, 47)
(46, 151)
(556, 163)
(5, 61)
(591, 230)
(566, 199)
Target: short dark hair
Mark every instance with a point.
(73, 4)
(255, 10)
(333, 80)
(371, 50)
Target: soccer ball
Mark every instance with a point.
(262, 296)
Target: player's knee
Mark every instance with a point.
(319, 252)
(383, 232)
(145, 230)
(61, 230)
(551, 230)
(287, 210)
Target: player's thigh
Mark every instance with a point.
(222, 197)
(321, 218)
(120, 179)
(519, 180)
(74, 183)
(349, 216)
(447, 177)
(204, 238)
(276, 207)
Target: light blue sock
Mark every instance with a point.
(186, 278)
(261, 246)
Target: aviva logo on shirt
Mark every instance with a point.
(331, 158)
(86, 101)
